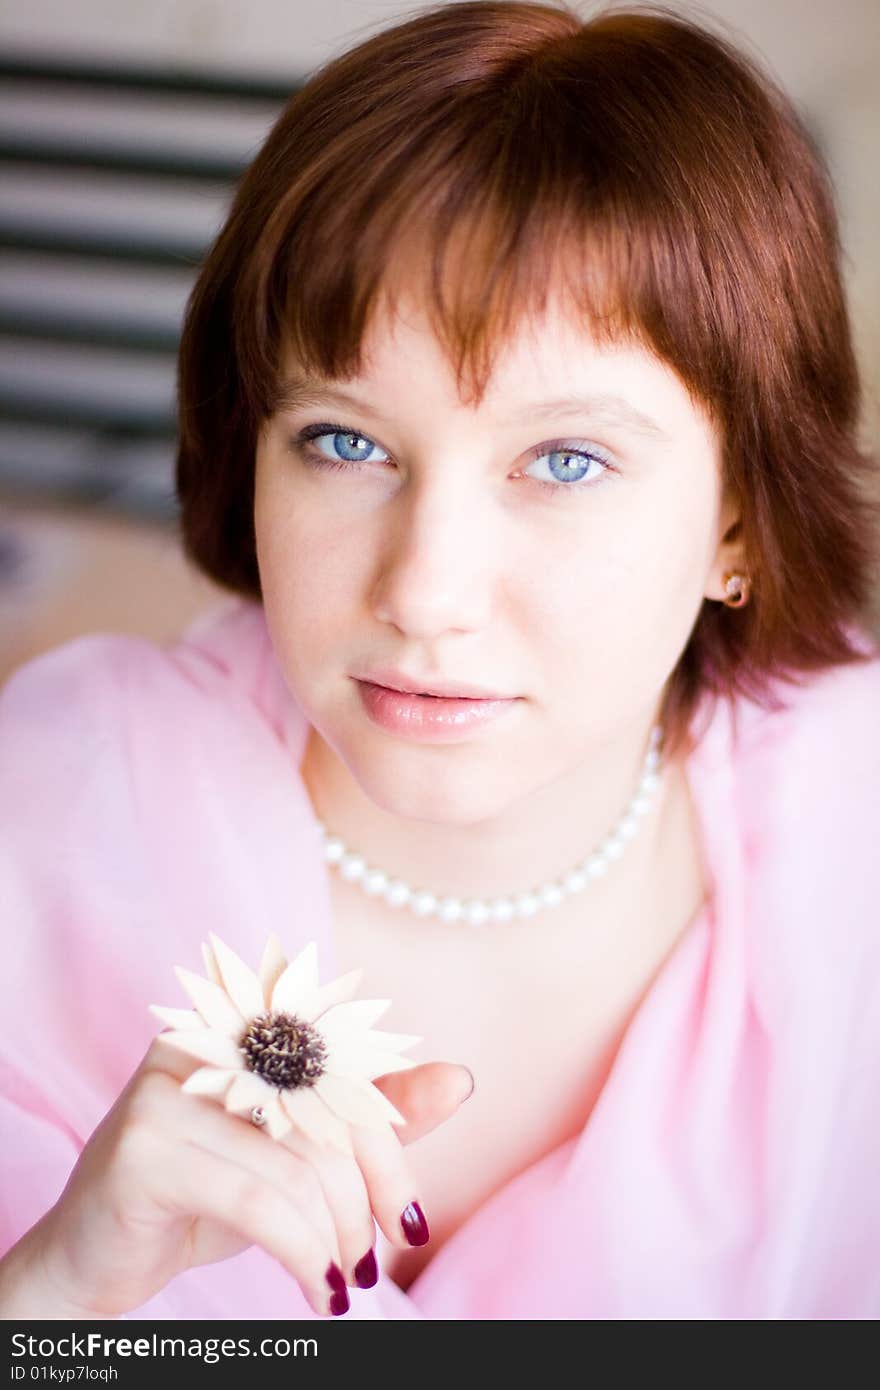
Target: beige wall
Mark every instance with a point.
(809, 44)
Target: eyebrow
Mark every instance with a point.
(605, 407)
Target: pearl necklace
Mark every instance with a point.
(478, 910)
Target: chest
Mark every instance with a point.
(540, 1057)
(538, 1019)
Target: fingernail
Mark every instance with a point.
(339, 1298)
(366, 1272)
(415, 1227)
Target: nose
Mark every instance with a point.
(435, 569)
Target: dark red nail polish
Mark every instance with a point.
(336, 1279)
(415, 1227)
(339, 1304)
(366, 1272)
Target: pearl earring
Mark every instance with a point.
(736, 588)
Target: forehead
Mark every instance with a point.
(550, 363)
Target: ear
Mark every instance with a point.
(730, 554)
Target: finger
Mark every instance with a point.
(207, 1124)
(341, 1208)
(206, 1120)
(427, 1095)
(388, 1177)
(262, 1214)
(347, 1200)
(160, 1056)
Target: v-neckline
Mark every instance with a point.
(568, 1152)
(696, 767)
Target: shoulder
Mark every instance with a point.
(146, 796)
(63, 711)
(74, 701)
(819, 739)
(795, 815)
(101, 665)
(789, 790)
(136, 758)
(825, 709)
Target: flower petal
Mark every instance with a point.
(212, 1002)
(185, 1020)
(214, 1048)
(211, 968)
(390, 1042)
(272, 966)
(240, 982)
(357, 1101)
(309, 1114)
(298, 981)
(208, 1081)
(346, 1020)
(336, 991)
(248, 1090)
(351, 1059)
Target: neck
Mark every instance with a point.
(534, 839)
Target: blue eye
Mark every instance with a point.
(568, 467)
(347, 448)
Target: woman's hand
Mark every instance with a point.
(171, 1180)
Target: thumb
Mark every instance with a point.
(425, 1095)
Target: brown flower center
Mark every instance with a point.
(284, 1050)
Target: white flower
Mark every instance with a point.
(302, 1052)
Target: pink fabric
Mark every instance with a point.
(730, 1168)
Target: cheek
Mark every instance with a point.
(299, 564)
(300, 597)
(620, 603)
(660, 581)
(661, 551)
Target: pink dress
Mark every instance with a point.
(731, 1168)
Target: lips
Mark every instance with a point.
(428, 718)
(437, 686)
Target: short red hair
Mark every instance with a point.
(664, 176)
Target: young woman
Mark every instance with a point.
(518, 415)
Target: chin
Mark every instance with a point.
(457, 796)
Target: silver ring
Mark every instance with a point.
(258, 1115)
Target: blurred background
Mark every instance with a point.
(123, 129)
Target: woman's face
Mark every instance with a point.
(543, 547)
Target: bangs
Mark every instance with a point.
(476, 280)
